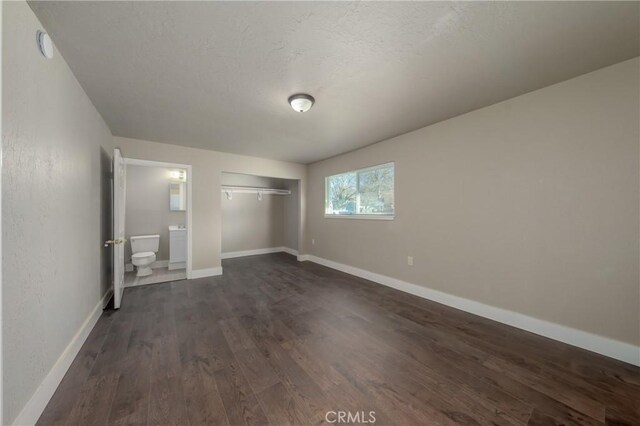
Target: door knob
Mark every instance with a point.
(117, 241)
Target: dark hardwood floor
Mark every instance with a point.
(274, 341)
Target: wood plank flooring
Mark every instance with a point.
(275, 341)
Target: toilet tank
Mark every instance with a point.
(142, 243)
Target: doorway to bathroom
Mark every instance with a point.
(156, 214)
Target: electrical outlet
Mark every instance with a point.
(313, 241)
(410, 260)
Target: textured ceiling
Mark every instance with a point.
(218, 75)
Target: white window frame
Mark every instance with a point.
(356, 215)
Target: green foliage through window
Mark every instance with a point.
(361, 192)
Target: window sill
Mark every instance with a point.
(359, 216)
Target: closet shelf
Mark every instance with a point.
(229, 189)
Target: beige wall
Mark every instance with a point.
(208, 167)
(147, 207)
(250, 224)
(56, 153)
(530, 205)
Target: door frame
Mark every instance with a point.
(1, 337)
(189, 224)
(119, 197)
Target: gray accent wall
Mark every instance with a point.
(147, 207)
(56, 152)
(530, 205)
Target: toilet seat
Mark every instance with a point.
(142, 255)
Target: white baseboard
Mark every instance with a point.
(303, 257)
(157, 264)
(106, 298)
(243, 253)
(603, 345)
(291, 251)
(203, 273)
(33, 409)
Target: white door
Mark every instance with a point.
(119, 179)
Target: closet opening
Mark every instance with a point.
(260, 215)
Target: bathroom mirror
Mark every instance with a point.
(177, 196)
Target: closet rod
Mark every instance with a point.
(254, 190)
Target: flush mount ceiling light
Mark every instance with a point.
(177, 174)
(301, 102)
(45, 45)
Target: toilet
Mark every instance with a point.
(144, 248)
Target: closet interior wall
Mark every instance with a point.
(249, 223)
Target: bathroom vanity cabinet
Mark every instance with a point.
(177, 248)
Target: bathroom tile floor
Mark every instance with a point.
(160, 275)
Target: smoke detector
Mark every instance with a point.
(45, 45)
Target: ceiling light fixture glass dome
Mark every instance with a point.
(301, 102)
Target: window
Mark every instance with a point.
(364, 193)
